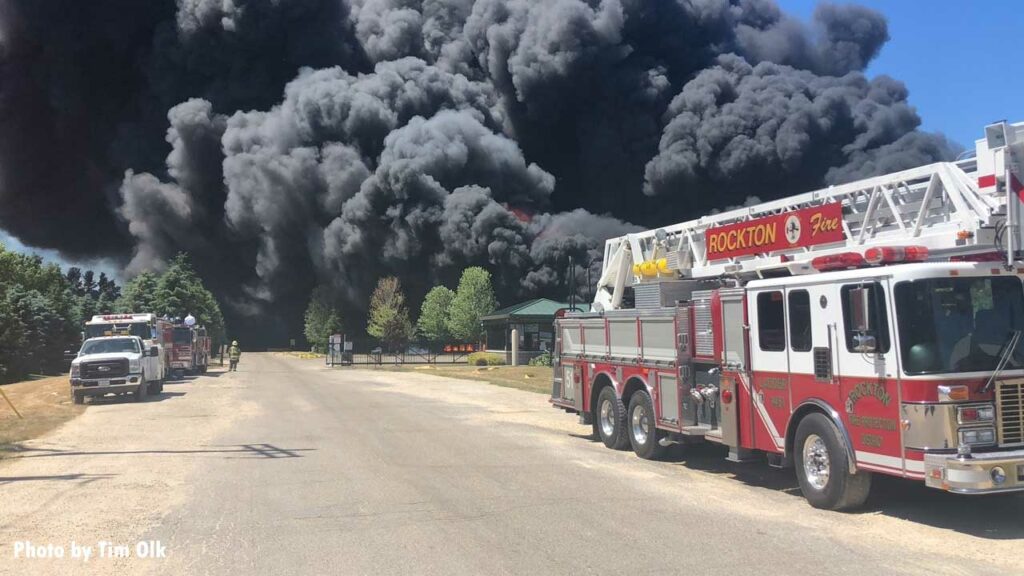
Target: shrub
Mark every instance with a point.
(486, 359)
(542, 360)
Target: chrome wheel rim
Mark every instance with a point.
(639, 424)
(816, 462)
(607, 418)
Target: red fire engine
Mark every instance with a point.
(190, 347)
(872, 327)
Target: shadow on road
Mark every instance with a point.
(129, 398)
(261, 451)
(82, 478)
(995, 517)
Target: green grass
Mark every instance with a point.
(530, 378)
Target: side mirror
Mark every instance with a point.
(154, 351)
(860, 316)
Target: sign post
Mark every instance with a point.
(11, 404)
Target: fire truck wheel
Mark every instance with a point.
(610, 420)
(823, 468)
(643, 434)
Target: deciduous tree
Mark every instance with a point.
(389, 318)
(473, 300)
(433, 322)
(322, 319)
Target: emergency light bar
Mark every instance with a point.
(837, 261)
(894, 255)
(872, 257)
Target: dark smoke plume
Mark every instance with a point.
(290, 143)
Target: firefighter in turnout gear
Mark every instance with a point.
(234, 353)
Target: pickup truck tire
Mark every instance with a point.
(140, 392)
(643, 434)
(78, 397)
(610, 420)
(823, 466)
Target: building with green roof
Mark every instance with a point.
(534, 319)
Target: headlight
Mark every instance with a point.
(134, 366)
(956, 393)
(76, 370)
(977, 436)
(969, 414)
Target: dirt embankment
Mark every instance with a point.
(43, 404)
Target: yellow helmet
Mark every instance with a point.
(234, 342)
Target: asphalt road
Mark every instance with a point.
(287, 467)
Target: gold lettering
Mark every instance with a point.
(872, 440)
(821, 224)
(873, 423)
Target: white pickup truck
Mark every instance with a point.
(115, 365)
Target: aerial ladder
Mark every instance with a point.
(970, 208)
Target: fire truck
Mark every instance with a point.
(201, 350)
(149, 327)
(182, 339)
(190, 347)
(867, 328)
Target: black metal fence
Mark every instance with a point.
(370, 354)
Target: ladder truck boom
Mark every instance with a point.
(866, 328)
(954, 209)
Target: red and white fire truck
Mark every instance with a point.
(190, 347)
(183, 342)
(872, 327)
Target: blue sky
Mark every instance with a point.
(963, 62)
(112, 269)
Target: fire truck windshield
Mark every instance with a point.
(112, 345)
(182, 336)
(958, 324)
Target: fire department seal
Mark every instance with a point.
(792, 229)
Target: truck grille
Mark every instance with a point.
(105, 369)
(1010, 406)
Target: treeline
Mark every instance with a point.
(445, 316)
(43, 310)
(175, 293)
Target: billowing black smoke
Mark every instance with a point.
(285, 143)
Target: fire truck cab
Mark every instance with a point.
(872, 327)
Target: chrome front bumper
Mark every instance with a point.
(977, 474)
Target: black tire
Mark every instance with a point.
(140, 392)
(838, 490)
(155, 388)
(640, 427)
(78, 398)
(613, 431)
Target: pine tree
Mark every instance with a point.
(139, 294)
(179, 292)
